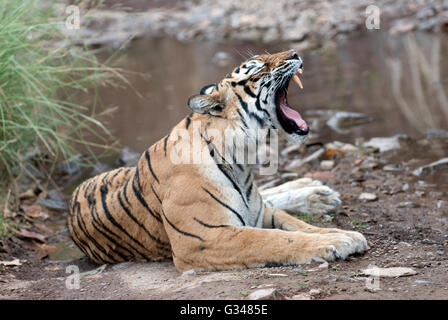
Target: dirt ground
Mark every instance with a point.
(406, 226)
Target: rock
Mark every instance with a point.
(442, 204)
(31, 235)
(14, 263)
(70, 167)
(388, 272)
(293, 148)
(301, 296)
(425, 13)
(270, 35)
(121, 265)
(367, 197)
(407, 204)
(315, 292)
(392, 168)
(100, 168)
(53, 204)
(278, 275)
(344, 147)
(327, 164)
(343, 120)
(221, 58)
(385, 144)
(423, 282)
(436, 133)
(403, 25)
(27, 194)
(295, 164)
(265, 294)
(430, 168)
(55, 195)
(128, 157)
(190, 272)
(429, 25)
(320, 175)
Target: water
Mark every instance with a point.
(400, 81)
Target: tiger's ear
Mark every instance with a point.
(206, 103)
(208, 89)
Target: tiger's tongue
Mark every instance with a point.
(292, 115)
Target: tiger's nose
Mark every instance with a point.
(293, 54)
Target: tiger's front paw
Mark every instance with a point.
(314, 200)
(334, 246)
(360, 241)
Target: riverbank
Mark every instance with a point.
(311, 24)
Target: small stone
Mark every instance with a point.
(128, 157)
(327, 164)
(301, 296)
(388, 272)
(100, 168)
(265, 294)
(320, 175)
(278, 275)
(70, 167)
(392, 168)
(384, 144)
(407, 204)
(190, 272)
(315, 292)
(53, 204)
(367, 196)
(432, 167)
(436, 133)
(342, 120)
(423, 282)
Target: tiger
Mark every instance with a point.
(207, 216)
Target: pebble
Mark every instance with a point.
(388, 272)
(128, 157)
(385, 144)
(367, 196)
(189, 272)
(407, 204)
(264, 294)
(432, 167)
(327, 164)
(53, 204)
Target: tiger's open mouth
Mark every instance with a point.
(290, 119)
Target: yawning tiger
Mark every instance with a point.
(207, 216)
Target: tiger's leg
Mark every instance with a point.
(278, 219)
(202, 237)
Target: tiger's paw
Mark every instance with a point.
(335, 246)
(315, 200)
(318, 200)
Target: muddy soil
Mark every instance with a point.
(406, 226)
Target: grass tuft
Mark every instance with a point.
(39, 118)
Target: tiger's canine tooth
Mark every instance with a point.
(296, 79)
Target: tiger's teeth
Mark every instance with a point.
(296, 79)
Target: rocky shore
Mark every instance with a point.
(307, 22)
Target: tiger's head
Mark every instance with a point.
(254, 95)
